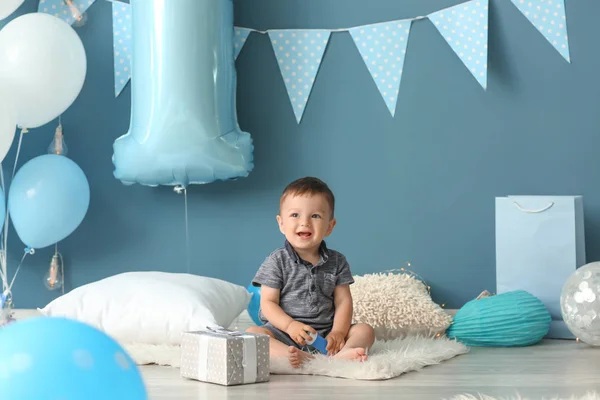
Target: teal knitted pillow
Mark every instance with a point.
(508, 319)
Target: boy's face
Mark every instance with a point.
(305, 220)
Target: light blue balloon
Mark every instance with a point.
(183, 127)
(47, 358)
(47, 200)
(254, 305)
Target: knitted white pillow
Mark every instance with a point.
(397, 306)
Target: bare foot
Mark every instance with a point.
(297, 357)
(352, 354)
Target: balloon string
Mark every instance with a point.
(3, 253)
(23, 130)
(17, 271)
(187, 235)
(7, 216)
(2, 179)
(332, 30)
(178, 190)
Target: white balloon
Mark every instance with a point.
(43, 61)
(8, 7)
(8, 125)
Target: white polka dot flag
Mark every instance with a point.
(299, 54)
(465, 28)
(67, 10)
(121, 44)
(548, 16)
(239, 40)
(383, 49)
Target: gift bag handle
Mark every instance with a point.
(534, 211)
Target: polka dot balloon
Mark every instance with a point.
(580, 303)
(57, 358)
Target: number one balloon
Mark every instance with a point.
(184, 127)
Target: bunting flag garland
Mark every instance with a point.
(465, 28)
(121, 14)
(548, 16)
(383, 49)
(67, 10)
(239, 40)
(382, 46)
(299, 53)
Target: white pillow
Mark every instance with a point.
(152, 307)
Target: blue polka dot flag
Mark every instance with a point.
(122, 31)
(239, 39)
(548, 16)
(465, 28)
(67, 10)
(383, 49)
(299, 54)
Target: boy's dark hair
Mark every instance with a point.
(311, 186)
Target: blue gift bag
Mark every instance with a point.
(539, 243)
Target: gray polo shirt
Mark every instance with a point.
(306, 290)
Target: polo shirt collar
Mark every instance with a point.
(323, 251)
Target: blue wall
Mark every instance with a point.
(419, 187)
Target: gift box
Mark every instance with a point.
(225, 357)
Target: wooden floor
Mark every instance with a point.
(553, 368)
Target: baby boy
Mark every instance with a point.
(305, 286)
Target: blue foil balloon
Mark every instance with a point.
(56, 358)
(183, 127)
(47, 200)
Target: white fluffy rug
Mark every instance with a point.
(144, 354)
(587, 396)
(386, 359)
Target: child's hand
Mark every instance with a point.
(299, 332)
(335, 342)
